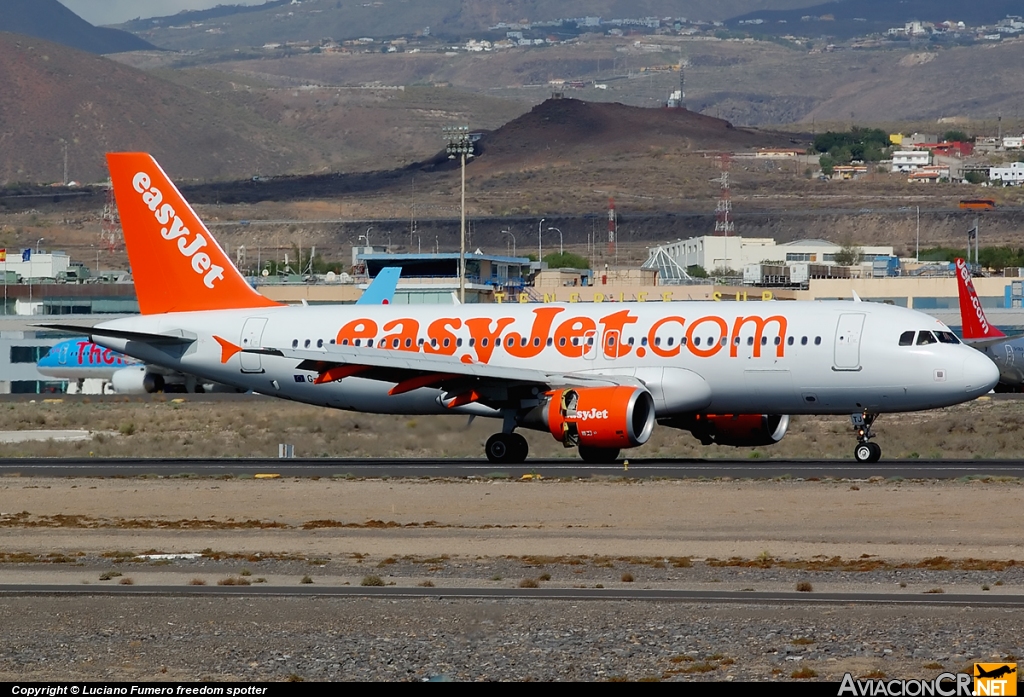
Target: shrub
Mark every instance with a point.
(528, 583)
(126, 581)
(627, 577)
(804, 587)
(197, 582)
(371, 581)
(306, 579)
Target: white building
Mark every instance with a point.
(1013, 142)
(38, 266)
(1012, 173)
(713, 252)
(909, 160)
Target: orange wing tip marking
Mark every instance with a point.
(464, 398)
(227, 349)
(466, 359)
(418, 382)
(338, 373)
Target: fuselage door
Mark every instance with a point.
(847, 348)
(252, 337)
(62, 357)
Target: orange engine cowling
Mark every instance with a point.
(600, 417)
(739, 429)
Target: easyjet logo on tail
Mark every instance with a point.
(188, 245)
(176, 263)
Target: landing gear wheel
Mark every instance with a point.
(506, 448)
(598, 456)
(862, 453)
(520, 448)
(866, 453)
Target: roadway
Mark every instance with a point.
(555, 468)
(574, 594)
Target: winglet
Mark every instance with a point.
(972, 316)
(176, 263)
(856, 298)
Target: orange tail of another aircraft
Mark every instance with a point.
(975, 323)
(176, 263)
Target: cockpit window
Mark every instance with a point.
(925, 338)
(947, 337)
(907, 339)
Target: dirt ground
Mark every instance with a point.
(187, 426)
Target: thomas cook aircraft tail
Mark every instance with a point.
(176, 263)
(975, 323)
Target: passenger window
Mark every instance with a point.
(536, 341)
(483, 342)
(750, 341)
(344, 342)
(789, 341)
(764, 341)
(458, 341)
(670, 340)
(630, 341)
(561, 341)
(907, 339)
(319, 343)
(736, 341)
(803, 341)
(817, 341)
(925, 338)
(724, 341)
(447, 342)
(696, 341)
(778, 340)
(295, 343)
(575, 341)
(683, 341)
(551, 342)
(657, 341)
(305, 344)
(643, 342)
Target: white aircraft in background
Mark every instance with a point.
(1007, 352)
(597, 376)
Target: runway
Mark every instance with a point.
(570, 594)
(555, 468)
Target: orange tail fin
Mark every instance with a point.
(176, 263)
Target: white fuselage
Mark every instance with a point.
(795, 358)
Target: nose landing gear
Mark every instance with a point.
(866, 451)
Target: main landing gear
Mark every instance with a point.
(507, 448)
(866, 451)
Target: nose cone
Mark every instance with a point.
(980, 374)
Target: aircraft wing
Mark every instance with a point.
(986, 343)
(449, 373)
(180, 338)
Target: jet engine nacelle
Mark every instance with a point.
(740, 430)
(596, 417)
(136, 380)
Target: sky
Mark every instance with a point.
(116, 11)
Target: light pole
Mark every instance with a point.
(540, 247)
(39, 243)
(459, 143)
(509, 233)
(367, 238)
(559, 239)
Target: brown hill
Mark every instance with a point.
(50, 20)
(572, 128)
(54, 95)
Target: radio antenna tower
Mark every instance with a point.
(724, 224)
(110, 223)
(612, 225)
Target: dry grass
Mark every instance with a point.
(804, 673)
(804, 587)
(234, 581)
(372, 581)
(529, 583)
(253, 427)
(197, 582)
(126, 581)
